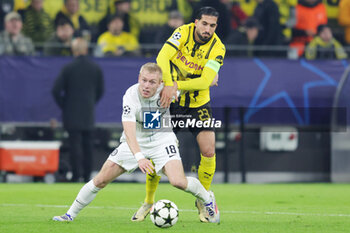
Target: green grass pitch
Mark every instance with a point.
(280, 208)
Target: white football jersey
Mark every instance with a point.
(145, 112)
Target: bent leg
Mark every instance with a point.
(206, 169)
(88, 192)
(109, 172)
(175, 173)
(173, 169)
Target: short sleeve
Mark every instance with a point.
(218, 54)
(129, 109)
(178, 37)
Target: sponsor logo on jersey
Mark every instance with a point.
(188, 63)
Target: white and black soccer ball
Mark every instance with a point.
(164, 213)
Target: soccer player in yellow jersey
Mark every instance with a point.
(191, 57)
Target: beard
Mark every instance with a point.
(204, 39)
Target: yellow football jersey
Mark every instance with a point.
(53, 7)
(92, 10)
(191, 64)
(20, 4)
(332, 7)
(156, 13)
(110, 42)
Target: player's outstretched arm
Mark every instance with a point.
(163, 60)
(145, 165)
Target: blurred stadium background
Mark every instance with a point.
(285, 118)
(277, 118)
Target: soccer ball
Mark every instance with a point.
(164, 213)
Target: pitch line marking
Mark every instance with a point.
(184, 210)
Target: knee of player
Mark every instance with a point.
(179, 183)
(100, 183)
(209, 151)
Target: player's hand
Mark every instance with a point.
(166, 96)
(215, 81)
(175, 91)
(146, 166)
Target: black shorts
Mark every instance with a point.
(187, 118)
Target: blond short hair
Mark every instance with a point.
(152, 67)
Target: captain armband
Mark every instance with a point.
(214, 65)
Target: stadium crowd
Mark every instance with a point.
(273, 28)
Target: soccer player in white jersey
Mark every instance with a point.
(139, 145)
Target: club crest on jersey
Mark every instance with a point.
(151, 119)
(177, 36)
(200, 54)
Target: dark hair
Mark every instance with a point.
(121, 1)
(207, 10)
(63, 21)
(321, 27)
(115, 16)
(251, 22)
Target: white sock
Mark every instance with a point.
(196, 188)
(87, 193)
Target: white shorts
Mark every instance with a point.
(160, 155)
